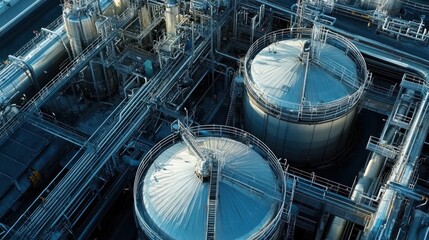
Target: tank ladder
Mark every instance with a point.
(190, 141)
(204, 155)
(291, 228)
(288, 216)
(212, 201)
(230, 119)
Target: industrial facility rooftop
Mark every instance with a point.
(218, 119)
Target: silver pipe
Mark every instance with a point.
(227, 55)
(59, 37)
(25, 66)
(403, 168)
(424, 203)
(44, 55)
(372, 170)
(49, 52)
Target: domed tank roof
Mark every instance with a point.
(173, 200)
(304, 75)
(278, 71)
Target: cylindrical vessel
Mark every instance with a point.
(80, 23)
(303, 109)
(80, 27)
(144, 17)
(171, 201)
(171, 15)
(44, 59)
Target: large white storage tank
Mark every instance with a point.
(172, 196)
(303, 87)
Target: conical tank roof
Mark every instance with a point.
(175, 199)
(279, 72)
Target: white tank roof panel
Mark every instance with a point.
(278, 72)
(175, 199)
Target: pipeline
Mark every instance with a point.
(407, 61)
(30, 68)
(227, 55)
(66, 195)
(373, 168)
(19, 75)
(403, 170)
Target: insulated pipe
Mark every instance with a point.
(403, 169)
(49, 52)
(372, 170)
(59, 36)
(45, 55)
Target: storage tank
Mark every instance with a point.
(80, 19)
(303, 87)
(172, 198)
(171, 16)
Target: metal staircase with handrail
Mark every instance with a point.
(230, 118)
(205, 159)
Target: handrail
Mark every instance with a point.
(306, 111)
(39, 37)
(91, 160)
(415, 79)
(255, 183)
(64, 192)
(375, 144)
(210, 131)
(58, 128)
(333, 186)
(326, 192)
(410, 29)
(415, 5)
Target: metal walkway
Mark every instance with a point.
(212, 201)
(64, 77)
(63, 196)
(58, 129)
(212, 164)
(321, 197)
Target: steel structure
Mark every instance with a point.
(219, 153)
(283, 69)
(166, 60)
